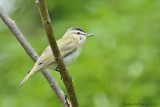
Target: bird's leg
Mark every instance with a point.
(57, 69)
(67, 71)
(61, 78)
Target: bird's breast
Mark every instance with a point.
(68, 60)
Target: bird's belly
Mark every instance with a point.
(68, 60)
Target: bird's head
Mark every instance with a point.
(77, 32)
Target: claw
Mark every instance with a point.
(61, 78)
(57, 69)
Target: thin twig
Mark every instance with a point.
(32, 53)
(67, 79)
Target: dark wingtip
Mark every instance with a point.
(20, 85)
(24, 80)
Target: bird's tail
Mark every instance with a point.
(33, 71)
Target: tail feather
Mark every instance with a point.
(24, 80)
(28, 75)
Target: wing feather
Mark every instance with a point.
(66, 47)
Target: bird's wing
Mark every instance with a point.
(66, 47)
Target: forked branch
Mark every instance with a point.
(32, 53)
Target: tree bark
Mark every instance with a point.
(67, 79)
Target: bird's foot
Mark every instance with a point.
(61, 78)
(57, 69)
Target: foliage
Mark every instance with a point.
(119, 65)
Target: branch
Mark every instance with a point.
(67, 79)
(32, 53)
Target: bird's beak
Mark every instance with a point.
(88, 35)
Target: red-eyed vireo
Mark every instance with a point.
(70, 47)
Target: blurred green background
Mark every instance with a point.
(119, 65)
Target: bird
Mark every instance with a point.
(69, 45)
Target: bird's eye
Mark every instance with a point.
(78, 33)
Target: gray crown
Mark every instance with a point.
(76, 28)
